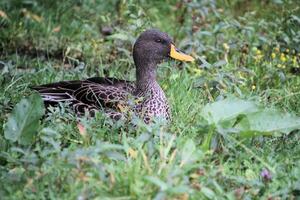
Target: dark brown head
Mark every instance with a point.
(153, 46)
(150, 49)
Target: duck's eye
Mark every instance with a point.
(158, 40)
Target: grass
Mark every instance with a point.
(250, 53)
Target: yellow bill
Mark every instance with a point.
(174, 53)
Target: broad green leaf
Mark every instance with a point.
(24, 120)
(204, 64)
(296, 18)
(205, 33)
(267, 121)
(188, 152)
(220, 63)
(113, 155)
(156, 181)
(227, 109)
(119, 36)
(208, 193)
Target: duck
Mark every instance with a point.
(116, 98)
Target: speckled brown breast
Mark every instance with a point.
(154, 104)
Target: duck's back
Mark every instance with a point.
(87, 95)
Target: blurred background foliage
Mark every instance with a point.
(245, 49)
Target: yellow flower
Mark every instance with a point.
(276, 49)
(281, 66)
(196, 71)
(226, 46)
(282, 57)
(287, 50)
(258, 57)
(258, 52)
(241, 76)
(294, 60)
(253, 87)
(132, 153)
(273, 55)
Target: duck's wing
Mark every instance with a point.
(90, 94)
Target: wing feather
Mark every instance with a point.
(90, 94)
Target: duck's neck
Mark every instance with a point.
(145, 75)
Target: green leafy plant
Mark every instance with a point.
(23, 124)
(246, 119)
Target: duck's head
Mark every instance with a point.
(154, 46)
